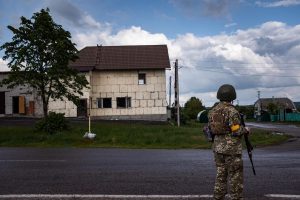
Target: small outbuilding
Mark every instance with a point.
(202, 116)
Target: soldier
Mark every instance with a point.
(225, 124)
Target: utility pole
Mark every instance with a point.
(259, 106)
(176, 87)
(170, 91)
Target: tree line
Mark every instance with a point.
(195, 105)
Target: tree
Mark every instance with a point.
(247, 110)
(38, 57)
(273, 108)
(192, 107)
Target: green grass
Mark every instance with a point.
(260, 138)
(125, 135)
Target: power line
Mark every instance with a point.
(239, 74)
(257, 67)
(249, 63)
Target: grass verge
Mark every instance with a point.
(124, 135)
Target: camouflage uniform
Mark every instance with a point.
(227, 149)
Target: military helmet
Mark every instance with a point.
(226, 93)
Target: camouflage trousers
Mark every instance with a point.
(229, 168)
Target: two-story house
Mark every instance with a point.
(126, 82)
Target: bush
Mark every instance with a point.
(192, 107)
(183, 116)
(53, 123)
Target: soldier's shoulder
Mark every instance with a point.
(233, 111)
(212, 109)
(232, 108)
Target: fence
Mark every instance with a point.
(295, 117)
(292, 117)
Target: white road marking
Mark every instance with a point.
(32, 160)
(104, 196)
(68, 196)
(289, 196)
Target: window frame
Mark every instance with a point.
(127, 102)
(100, 102)
(142, 77)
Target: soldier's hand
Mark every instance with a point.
(247, 129)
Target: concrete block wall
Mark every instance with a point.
(68, 107)
(148, 99)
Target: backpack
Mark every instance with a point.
(218, 122)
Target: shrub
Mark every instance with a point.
(53, 123)
(183, 116)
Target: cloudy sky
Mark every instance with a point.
(253, 45)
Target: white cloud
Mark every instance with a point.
(282, 3)
(131, 36)
(3, 65)
(264, 58)
(258, 58)
(87, 19)
(230, 25)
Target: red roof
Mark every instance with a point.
(122, 57)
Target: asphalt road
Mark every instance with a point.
(69, 171)
(277, 128)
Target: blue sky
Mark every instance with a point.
(254, 45)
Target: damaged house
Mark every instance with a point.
(126, 82)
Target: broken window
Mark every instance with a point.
(123, 102)
(104, 103)
(142, 78)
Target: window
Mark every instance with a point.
(142, 79)
(123, 102)
(104, 103)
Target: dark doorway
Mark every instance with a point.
(2, 102)
(15, 105)
(82, 108)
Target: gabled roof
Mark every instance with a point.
(297, 105)
(122, 57)
(285, 103)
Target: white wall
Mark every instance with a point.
(28, 93)
(148, 99)
(68, 107)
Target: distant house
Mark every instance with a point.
(126, 82)
(297, 104)
(273, 106)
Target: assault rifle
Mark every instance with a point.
(248, 144)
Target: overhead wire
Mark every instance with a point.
(247, 63)
(222, 70)
(239, 74)
(251, 63)
(281, 67)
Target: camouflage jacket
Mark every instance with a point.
(230, 142)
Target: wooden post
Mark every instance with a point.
(177, 93)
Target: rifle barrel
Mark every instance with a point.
(248, 145)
